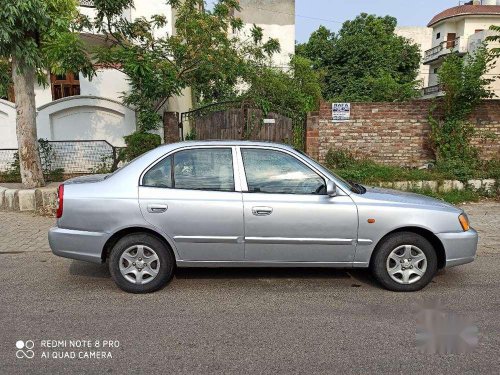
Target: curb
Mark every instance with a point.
(487, 185)
(41, 201)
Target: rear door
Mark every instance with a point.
(289, 217)
(191, 196)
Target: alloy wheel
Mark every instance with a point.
(139, 264)
(406, 264)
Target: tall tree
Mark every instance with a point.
(36, 37)
(202, 53)
(365, 61)
(495, 38)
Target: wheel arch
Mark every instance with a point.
(131, 230)
(427, 234)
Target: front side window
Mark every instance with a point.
(276, 172)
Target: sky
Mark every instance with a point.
(311, 14)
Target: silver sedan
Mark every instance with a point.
(250, 204)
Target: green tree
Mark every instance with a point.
(365, 61)
(202, 53)
(465, 84)
(36, 36)
(297, 89)
(5, 78)
(495, 38)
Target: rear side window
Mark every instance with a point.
(204, 169)
(196, 169)
(160, 175)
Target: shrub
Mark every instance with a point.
(339, 159)
(455, 196)
(138, 143)
(13, 174)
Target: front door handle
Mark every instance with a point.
(262, 211)
(157, 208)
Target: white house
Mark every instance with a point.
(422, 36)
(460, 29)
(74, 108)
(277, 20)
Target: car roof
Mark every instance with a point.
(227, 143)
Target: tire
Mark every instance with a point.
(391, 257)
(126, 268)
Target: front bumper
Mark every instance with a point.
(459, 247)
(77, 244)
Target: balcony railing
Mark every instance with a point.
(430, 90)
(436, 51)
(87, 3)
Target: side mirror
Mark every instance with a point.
(331, 188)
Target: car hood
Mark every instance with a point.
(404, 198)
(85, 179)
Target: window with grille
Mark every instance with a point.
(64, 85)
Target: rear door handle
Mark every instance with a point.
(262, 211)
(157, 208)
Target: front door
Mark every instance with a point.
(191, 197)
(289, 217)
(451, 40)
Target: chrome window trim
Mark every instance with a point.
(290, 153)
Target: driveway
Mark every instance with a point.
(235, 321)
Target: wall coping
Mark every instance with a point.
(418, 100)
(81, 97)
(7, 103)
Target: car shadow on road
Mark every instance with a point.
(256, 273)
(86, 269)
(358, 277)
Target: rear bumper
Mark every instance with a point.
(460, 247)
(77, 244)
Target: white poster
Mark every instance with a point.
(341, 111)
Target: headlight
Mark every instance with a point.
(464, 222)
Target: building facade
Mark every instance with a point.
(73, 107)
(461, 29)
(422, 36)
(277, 20)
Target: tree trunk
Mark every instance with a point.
(24, 91)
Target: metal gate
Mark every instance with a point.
(242, 120)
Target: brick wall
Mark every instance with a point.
(393, 133)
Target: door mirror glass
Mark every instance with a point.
(331, 188)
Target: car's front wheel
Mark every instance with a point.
(404, 262)
(141, 263)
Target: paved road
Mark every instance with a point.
(237, 321)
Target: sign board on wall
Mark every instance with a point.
(341, 111)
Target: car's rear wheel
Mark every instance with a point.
(404, 262)
(141, 263)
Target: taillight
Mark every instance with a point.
(60, 196)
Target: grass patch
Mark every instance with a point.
(367, 171)
(455, 196)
